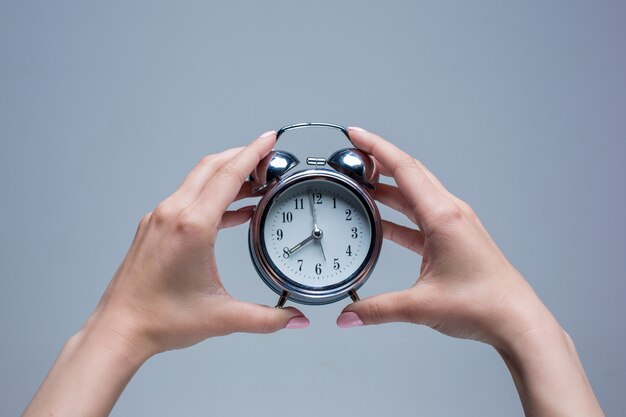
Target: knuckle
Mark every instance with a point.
(448, 214)
(163, 213)
(375, 313)
(416, 306)
(469, 211)
(404, 161)
(206, 160)
(229, 169)
(267, 324)
(407, 208)
(190, 223)
(143, 223)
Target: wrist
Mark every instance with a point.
(522, 318)
(119, 339)
(90, 373)
(548, 374)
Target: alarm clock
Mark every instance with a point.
(316, 234)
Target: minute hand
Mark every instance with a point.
(317, 232)
(313, 213)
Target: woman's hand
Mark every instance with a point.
(466, 288)
(166, 294)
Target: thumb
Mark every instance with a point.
(257, 318)
(399, 306)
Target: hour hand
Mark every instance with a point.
(301, 244)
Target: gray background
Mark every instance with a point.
(518, 107)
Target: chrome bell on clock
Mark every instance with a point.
(352, 162)
(356, 164)
(272, 167)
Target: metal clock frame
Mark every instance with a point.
(285, 287)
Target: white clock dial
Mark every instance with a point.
(317, 233)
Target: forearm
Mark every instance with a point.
(548, 374)
(94, 367)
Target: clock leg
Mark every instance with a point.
(283, 299)
(354, 295)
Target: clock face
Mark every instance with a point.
(317, 233)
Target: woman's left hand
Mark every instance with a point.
(167, 292)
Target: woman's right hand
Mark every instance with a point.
(466, 288)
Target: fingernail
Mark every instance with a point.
(357, 129)
(268, 133)
(299, 322)
(246, 208)
(349, 319)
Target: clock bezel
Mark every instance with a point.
(279, 282)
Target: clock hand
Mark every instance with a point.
(315, 234)
(322, 247)
(316, 228)
(313, 213)
(301, 244)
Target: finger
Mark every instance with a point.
(224, 187)
(256, 318)
(430, 175)
(381, 168)
(197, 178)
(404, 236)
(391, 196)
(462, 204)
(385, 172)
(390, 307)
(422, 195)
(233, 218)
(246, 191)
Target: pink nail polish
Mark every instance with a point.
(299, 322)
(268, 133)
(349, 319)
(357, 129)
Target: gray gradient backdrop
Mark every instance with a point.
(518, 107)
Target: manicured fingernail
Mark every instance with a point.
(299, 322)
(349, 319)
(357, 129)
(246, 208)
(268, 133)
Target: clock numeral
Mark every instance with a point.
(318, 269)
(317, 198)
(349, 251)
(286, 253)
(336, 263)
(334, 202)
(279, 234)
(348, 214)
(300, 263)
(287, 217)
(355, 234)
(299, 203)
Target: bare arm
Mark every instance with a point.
(166, 294)
(466, 288)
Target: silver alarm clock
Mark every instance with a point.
(316, 233)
